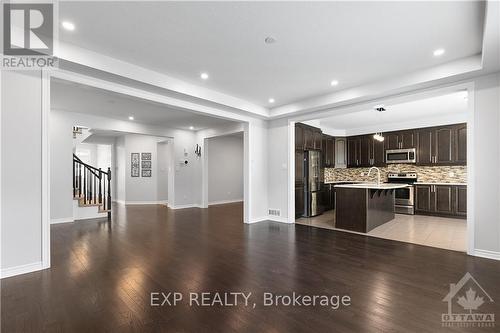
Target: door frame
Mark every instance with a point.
(46, 77)
(422, 93)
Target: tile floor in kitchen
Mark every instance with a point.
(440, 232)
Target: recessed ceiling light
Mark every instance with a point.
(271, 100)
(68, 25)
(270, 40)
(130, 118)
(191, 127)
(438, 52)
(204, 76)
(334, 83)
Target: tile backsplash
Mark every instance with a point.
(443, 174)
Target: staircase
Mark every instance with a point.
(91, 190)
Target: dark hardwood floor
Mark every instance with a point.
(103, 272)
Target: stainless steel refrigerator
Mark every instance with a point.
(313, 180)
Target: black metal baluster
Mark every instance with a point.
(100, 189)
(79, 180)
(74, 180)
(84, 186)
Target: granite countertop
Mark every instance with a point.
(374, 186)
(440, 183)
(343, 182)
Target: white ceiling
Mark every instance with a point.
(437, 110)
(353, 42)
(72, 97)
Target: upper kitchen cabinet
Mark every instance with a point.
(307, 137)
(328, 149)
(461, 144)
(425, 146)
(340, 152)
(378, 153)
(353, 151)
(400, 140)
(365, 151)
(299, 137)
(443, 153)
(444, 145)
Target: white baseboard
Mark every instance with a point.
(258, 219)
(222, 202)
(487, 254)
(62, 220)
(122, 202)
(186, 206)
(278, 219)
(22, 269)
(160, 202)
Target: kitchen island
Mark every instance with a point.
(363, 207)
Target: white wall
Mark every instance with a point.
(225, 168)
(61, 167)
(162, 166)
(21, 173)
(487, 163)
(120, 170)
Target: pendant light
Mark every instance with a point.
(378, 135)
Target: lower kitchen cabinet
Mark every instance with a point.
(328, 197)
(441, 200)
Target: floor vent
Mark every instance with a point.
(274, 212)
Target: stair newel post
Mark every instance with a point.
(100, 186)
(109, 193)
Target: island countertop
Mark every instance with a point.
(373, 186)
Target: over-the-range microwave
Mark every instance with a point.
(401, 155)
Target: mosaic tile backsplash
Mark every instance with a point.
(441, 174)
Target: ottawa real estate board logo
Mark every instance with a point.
(469, 305)
(28, 36)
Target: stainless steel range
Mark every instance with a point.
(404, 197)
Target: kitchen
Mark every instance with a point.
(396, 172)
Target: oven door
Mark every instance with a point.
(404, 196)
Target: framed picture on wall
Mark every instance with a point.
(146, 173)
(146, 156)
(134, 164)
(146, 164)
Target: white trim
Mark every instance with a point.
(159, 202)
(258, 219)
(45, 168)
(487, 254)
(186, 206)
(222, 202)
(291, 171)
(279, 219)
(471, 185)
(62, 220)
(21, 269)
(121, 202)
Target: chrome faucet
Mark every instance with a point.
(378, 174)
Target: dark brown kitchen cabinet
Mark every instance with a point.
(299, 137)
(378, 153)
(423, 199)
(443, 146)
(461, 144)
(365, 146)
(317, 138)
(299, 168)
(441, 200)
(400, 140)
(352, 152)
(461, 200)
(425, 144)
(308, 137)
(391, 140)
(328, 149)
